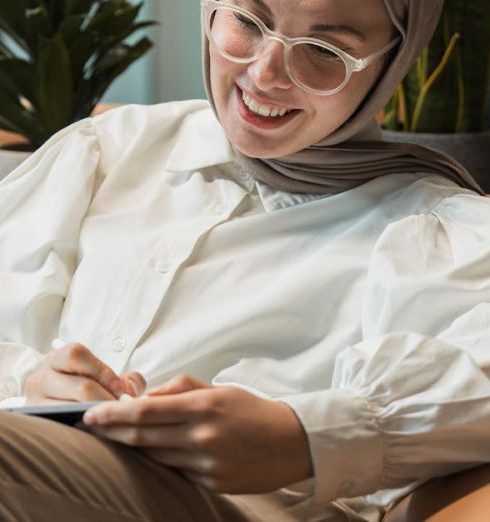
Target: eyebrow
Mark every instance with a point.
(330, 28)
(339, 28)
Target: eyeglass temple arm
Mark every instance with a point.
(364, 62)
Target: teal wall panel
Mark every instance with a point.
(172, 69)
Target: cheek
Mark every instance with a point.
(361, 83)
(336, 110)
(223, 73)
(330, 112)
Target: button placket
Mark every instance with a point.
(119, 343)
(162, 262)
(219, 209)
(163, 266)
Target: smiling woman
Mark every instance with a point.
(350, 107)
(299, 75)
(307, 304)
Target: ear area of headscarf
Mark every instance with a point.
(398, 13)
(420, 22)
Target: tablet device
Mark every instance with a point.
(69, 413)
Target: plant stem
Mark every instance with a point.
(403, 107)
(433, 77)
(461, 96)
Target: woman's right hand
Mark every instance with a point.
(74, 374)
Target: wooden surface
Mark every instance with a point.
(8, 137)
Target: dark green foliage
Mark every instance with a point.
(58, 57)
(457, 63)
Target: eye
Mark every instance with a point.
(323, 53)
(245, 22)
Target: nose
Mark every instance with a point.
(268, 71)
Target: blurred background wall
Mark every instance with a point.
(172, 69)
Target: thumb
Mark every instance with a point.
(178, 384)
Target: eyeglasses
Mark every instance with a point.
(312, 64)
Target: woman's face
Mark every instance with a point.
(266, 81)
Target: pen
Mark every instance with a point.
(57, 343)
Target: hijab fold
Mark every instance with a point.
(355, 153)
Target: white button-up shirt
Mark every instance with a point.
(368, 312)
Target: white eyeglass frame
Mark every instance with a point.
(352, 64)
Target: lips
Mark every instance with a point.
(262, 122)
(278, 106)
(262, 110)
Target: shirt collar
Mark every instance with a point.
(274, 199)
(192, 151)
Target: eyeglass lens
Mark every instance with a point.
(238, 36)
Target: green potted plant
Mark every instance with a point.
(444, 101)
(57, 59)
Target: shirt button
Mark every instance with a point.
(219, 208)
(119, 343)
(245, 175)
(163, 267)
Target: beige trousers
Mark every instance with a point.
(53, 473)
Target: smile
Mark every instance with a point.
(260, 115)
(263, 110)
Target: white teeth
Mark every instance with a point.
(263, 110)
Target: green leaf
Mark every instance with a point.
(487, 104)
(56, 12)
(81, 51)
(70, 29)
(55, 84)
(117, 61)
(24, 21)
(21, 119)
(77, 7)
(114, 19)
(16, 77)
(12, 22)
(106, 47)
(58, 57)
(5, 125)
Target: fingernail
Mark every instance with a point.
(89, 417)
(136, 384)
(116, 387)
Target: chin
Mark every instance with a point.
(258, 146)
(253, 152)
(260, 152)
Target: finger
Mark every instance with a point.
(192, 463)
(64, 387)
(147, 410)
(202, 479)
(178, 384)
(78, 360)
(173, 437)
(45, 401)
(134, 383)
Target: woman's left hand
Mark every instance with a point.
(222, 437)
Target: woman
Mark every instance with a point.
(331, 288)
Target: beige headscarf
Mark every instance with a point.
(356, 153)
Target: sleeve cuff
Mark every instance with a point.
(17, 362)
(345, 442)
(13, 402)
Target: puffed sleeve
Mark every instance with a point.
(42, 205)
(412, 400)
